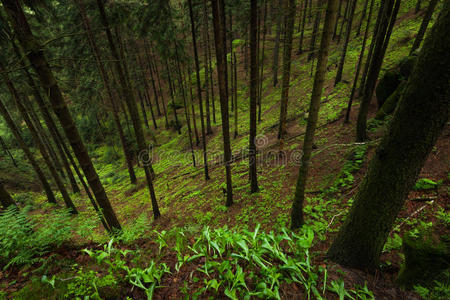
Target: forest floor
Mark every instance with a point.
(189, 204)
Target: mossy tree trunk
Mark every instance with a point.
(417, 123)
(221, 72)
(299, 198)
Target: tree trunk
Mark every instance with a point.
(423, 26)
(144, 114)
(15, 130)
(382, 40)
(38, 141)
(260, 91)
(236, 125)
(344, 21)
(358, 32)
(172, 96)
(302, 32)
(315, 32)
(253, 95)
(188, 122)
(290, 17)
(107, 85)
(191, 96)
(155, 69)
(347, 39)
(360, 60)
(5, 198)
(211, 77)
(5, 149)
(199, 90)
(276, 49)
(417, 123)
(297, 206)
(149, 66)
(417, 9)
(132, 107)
(205, 54)
(337, 20)
(220, 58)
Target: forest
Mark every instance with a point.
(224, 149)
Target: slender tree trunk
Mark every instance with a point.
(315, 32)
(5, 198)
(358, 32)
(418, 121)
(199, 90)
(205, 54)
(144, 114)
(417, 9)
(302, 32)
(5, 149)
(38, 141)
(107, 85)
(194, 122)
(147, 98)
(424, 25)
(253, 93)
(188, 122)
(221, 71)
(236, 125)
(211, 76)
(260, 91)
(155, 69)
(382, 40)
(290, 18)
(15, 130)
(149, 65)
(344, 21)
(299, 198)
(276, 49)
(172, 96)
(347, 39)
(132, 107)
(360, 60)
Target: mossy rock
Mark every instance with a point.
(426, 259)
(387, 85)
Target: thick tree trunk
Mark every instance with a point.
(424, 25)
(417, 123)
(382, 40)
(132, 108)
(290, 18)
(5, 198)
(360, 60)
(276, 49)
(199, 90)
(220, 58)
(299, 198)
(347, 39)
(253, 96)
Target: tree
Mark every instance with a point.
(38, 141)
(199, 89)
(297, 206)
(302, 30)
(6, 150)
(107, 85)
(347, 39)
(276, 50)
(132, 108)
(253, 96)
(388, 13)
(424, 25)
(35, 54)
(417, 123)
(315, 32)
(287, 51)
(358, 32)
(359, 64)
(220, 58)
(5, 198)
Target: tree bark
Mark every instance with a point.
(5, 149)
(276, 49)
(315, 32)
(220, 58)
(205, 54)
(299, 198)
(417, 123)
(261, 65)
(302, 31)
(358, 31)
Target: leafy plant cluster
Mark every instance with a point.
(22, 242)
(238, 265)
